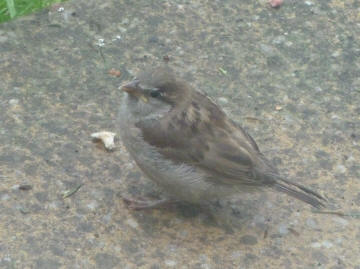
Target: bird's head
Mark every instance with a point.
(154, 92)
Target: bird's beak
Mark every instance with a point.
(133, 88)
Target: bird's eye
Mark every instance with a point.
(155, 93)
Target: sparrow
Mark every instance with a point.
(186, 144)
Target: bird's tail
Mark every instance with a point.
(299, 192)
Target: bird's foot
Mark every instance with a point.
(141, 204)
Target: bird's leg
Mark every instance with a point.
(141, 204)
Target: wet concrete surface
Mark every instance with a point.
(290, 76)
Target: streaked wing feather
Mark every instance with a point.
(224, 151)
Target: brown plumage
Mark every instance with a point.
(196, 132)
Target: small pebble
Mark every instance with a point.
(223, 100)
(336, 54)
(132, 223)
(13, 102)
(101, 42)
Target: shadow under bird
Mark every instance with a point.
(186, 144)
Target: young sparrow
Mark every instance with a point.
(186, 144)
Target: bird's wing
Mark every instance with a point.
(208, 140)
